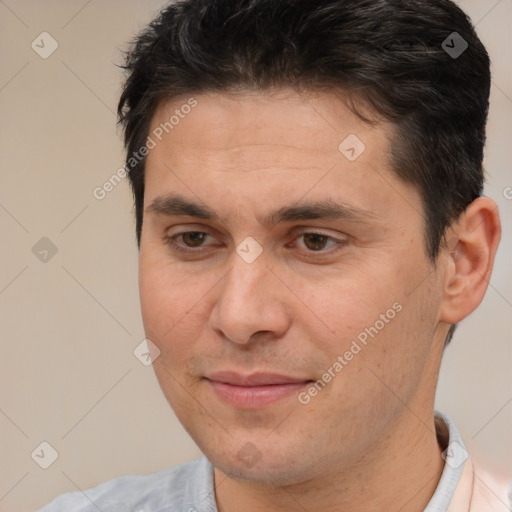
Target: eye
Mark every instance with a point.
(189, 241)
(319, 242)
(193, 238)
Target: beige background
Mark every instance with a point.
(69, 326)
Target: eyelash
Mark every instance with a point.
(171, 241)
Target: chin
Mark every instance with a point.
(267, 466)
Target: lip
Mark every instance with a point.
(254, 391)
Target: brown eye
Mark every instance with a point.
(193, 238)
(315, 241)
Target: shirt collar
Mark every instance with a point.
(455, 456)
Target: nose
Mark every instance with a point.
(251, 303)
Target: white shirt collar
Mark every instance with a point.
(455, 456)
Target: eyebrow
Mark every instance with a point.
(176, 205)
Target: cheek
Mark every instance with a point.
(349, 306)
(370, 319)
(156, 296)
(161, 304)
(174, 309)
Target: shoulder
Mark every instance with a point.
(170, 490)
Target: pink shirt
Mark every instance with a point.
(477, 491)
(464, 486)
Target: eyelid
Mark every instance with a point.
(183, 229)
(318, 231)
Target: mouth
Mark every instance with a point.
(254, 391)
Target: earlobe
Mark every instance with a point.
(472, 243)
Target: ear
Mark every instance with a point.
(472, 241)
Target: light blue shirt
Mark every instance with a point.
(189, 487)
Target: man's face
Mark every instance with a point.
(348, 301)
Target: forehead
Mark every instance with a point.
(274, 147)
(279, 117)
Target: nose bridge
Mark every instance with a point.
(247, 287)
(248, 303)
(246, 282)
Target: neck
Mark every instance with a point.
(401, 473)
